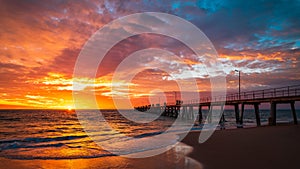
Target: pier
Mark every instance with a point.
(273, 96)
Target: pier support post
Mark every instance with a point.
(222, 111)
(237, 113)
(183, 115)
(242, 114)
(188, 112)
(209, 116)
(159, 110)
(273, 113)
(173, 111)
(167, 111)
(191, 113)
(294, 112)
(163, 111)
(176, 112)
(256, 108)
(200, 114)
(223, 118)
(222, 121)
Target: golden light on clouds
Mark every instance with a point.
(40, 42)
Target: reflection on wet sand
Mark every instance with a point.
(174, 158)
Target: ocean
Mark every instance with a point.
(58, 134)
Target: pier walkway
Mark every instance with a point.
(274, 96)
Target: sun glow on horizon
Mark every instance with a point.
(70, 108)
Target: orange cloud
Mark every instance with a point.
(40, 43)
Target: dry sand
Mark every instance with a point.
(269, 147)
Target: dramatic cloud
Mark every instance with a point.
(41, 40)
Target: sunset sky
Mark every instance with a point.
(41, 40)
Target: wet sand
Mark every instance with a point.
(269, 147)
(256, 148)
(174, 158)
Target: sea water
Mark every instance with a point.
(58, 134)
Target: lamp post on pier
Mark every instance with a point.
(239, 82)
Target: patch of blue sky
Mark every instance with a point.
(109, 6)
(209, 5)
(296, 45)
(276, 27)
(267, 41)
(262, 42)
(175, 5)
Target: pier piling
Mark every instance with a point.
(256, 109)
(294, 112)
(273, 113)
(274, 96)
(242, 114)
(200, 114)
(237, 113)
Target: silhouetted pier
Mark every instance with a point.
(274, 96)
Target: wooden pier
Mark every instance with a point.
(274, 96)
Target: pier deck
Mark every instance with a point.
(274, 96)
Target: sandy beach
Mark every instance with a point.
(268, 147)
(169, 159)
(264, 147)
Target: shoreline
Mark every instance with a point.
(176, 157)
(258, 147)
(255, 147)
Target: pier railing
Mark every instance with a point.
(288, 94)
(288, 91)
